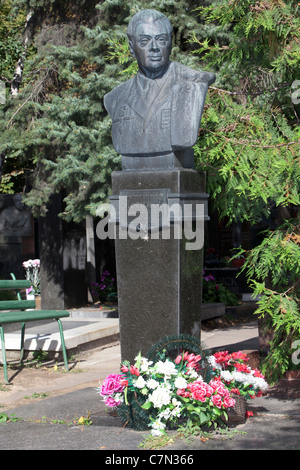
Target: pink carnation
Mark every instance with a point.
(217, 400)
(219, 387)
(112, 385)
(228, 402)
(200, 390)
(109, 401)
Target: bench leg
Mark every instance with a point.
(4, 355)
(63, 344)
(22, 343)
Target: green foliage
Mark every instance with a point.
(11, 29)
(251, 157)
(217, 293)
(274, 267)
(4, 418)
(249, 138)
(249, 146)
(56, 130)
(262, 36)
(106, 290)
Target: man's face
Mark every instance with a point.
(151, 46)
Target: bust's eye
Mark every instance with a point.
(144, 42)
(162, 41)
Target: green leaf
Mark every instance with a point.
(203, 418)
(147, 405)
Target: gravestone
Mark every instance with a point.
(159, 202)
(63, 260)
(16, 235)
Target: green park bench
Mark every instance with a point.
(14, 311)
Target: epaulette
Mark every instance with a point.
(195, 76)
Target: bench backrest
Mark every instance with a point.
(16, 304)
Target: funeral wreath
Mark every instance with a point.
(188, 387)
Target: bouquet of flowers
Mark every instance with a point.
(238, 377)
(32, 268)
(165, 391)
(106, 289)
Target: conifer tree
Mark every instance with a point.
(249, 145)
(66, 137)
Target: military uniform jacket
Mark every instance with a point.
(155, 116)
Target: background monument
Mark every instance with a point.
(156, 117)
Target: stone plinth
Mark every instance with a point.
(159, 279)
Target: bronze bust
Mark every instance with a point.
(159, 110)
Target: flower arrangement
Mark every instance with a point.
(217, 292)
(165, 391)
(32, 274)
(106, 288)
(239, 378)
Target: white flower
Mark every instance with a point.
(258, 382)
(175, 402)
(192, 373)
(176, 412)
(212, 361)
(160, 396)
(151, 383)
(158, 428)
(166, 368)
(156, 432)
(180, 382)
(140, 382)
(144, 363)
(119, 397)
(164, 414)
(226, 375)
(240, 377)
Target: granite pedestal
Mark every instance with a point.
(159, 279)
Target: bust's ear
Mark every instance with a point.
(131, 49)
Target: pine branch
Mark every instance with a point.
(247, 142)
(248, 93)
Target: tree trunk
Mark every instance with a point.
(16, 81)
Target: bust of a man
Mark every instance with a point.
(159, 110)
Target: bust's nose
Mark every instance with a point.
(154, 46)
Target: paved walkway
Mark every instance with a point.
(51, 423)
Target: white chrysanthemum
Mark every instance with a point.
(152, 384)
(240, 377)
(212, 361)
(140, 382)
(166, 368)
(160, 396)
(259, 383)
(180, 382)
(226, 375)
